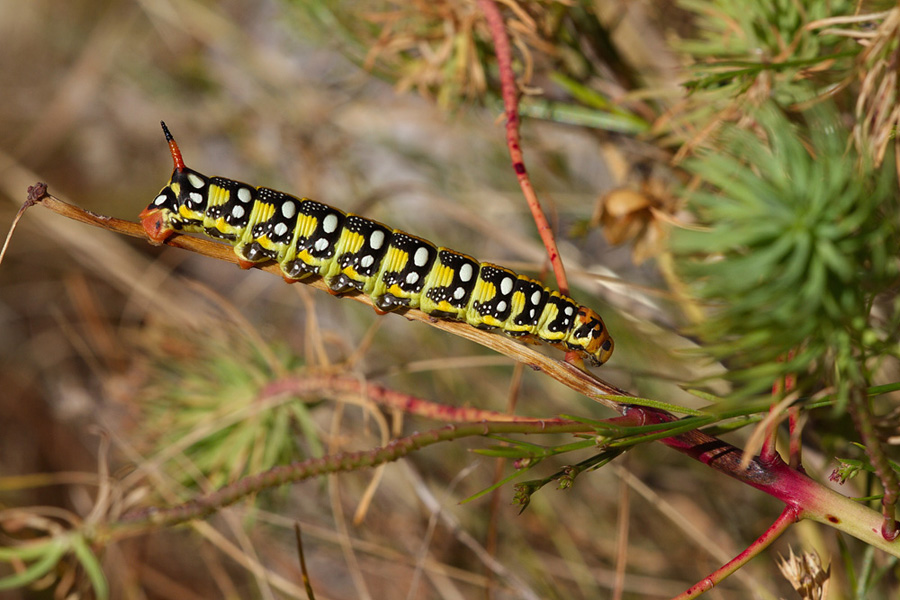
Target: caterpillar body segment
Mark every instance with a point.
(529, 299)
(404, 267)
(449, 286)
(355, 254)
(361, 248)
(490, 305)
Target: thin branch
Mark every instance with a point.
(783, 384)
(861, 411)
(623, 521)
(345, 461)
(35, 191)
(304, 573)
(814, 500)
(511, 105)
(306, 384)
(788, 517)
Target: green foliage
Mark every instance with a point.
(848, 468)
(443, 49)
(207, 405)
(565, 476)
(754, 29)
(43, 556)
(739, 41)
(798, 240)
(436, 48)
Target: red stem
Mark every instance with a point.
(511, 105)
(811, 499)
(336, 386)
(768, 452)
(788, 517)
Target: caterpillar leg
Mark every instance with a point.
(389, 303)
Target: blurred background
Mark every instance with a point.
(114, 352)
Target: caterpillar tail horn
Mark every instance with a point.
(173, 148)
(152, 218)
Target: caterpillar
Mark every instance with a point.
(355, 254)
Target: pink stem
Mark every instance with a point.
(811, 499)
(336, 386)
(768, 453)
(788, 517)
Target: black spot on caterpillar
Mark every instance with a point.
(355, 254)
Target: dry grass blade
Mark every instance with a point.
(306, 582)
(877, 112)
(12, 228)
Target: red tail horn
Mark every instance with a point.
(173, 148)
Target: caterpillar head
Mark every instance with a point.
(181, 203)
(589, 335)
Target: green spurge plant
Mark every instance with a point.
(799, 240)
(740, 44)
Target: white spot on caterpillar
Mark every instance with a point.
(195, 181)
(501, 306)
(198, 198)
(160, 200)
(321, 244)
(280, 229)
(288, 209)
(506, 286)
(421, 256)
(244, 195)
(459, 293)
(237, 212)
(535, 298)
(366, 261)
(376, 239)
(330, 223)
(465, 272)
(412, 278)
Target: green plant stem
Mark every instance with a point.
(806, 497)
(810, 498)
(336, 463)
(861, 412)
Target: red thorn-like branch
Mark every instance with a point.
(788, 517)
